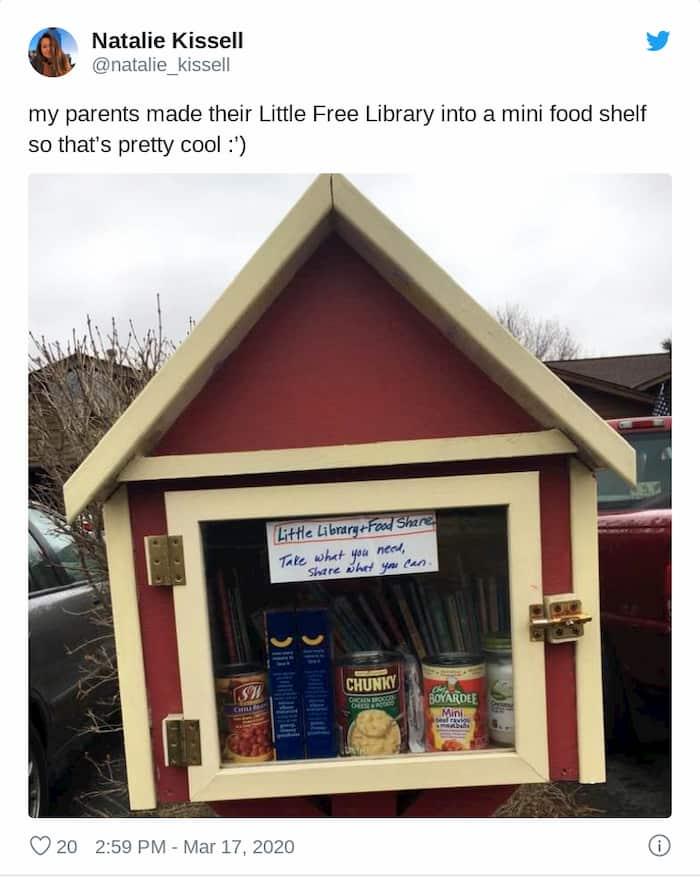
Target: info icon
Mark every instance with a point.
(53, 52)
(659, 845)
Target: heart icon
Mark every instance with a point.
(40, 843)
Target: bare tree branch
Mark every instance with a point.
(77, 390)
(546, 339)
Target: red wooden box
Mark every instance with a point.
(344, 373)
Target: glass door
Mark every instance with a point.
(361, 636)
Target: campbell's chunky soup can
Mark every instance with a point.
(455, 701)
(244, 713)
(371, 704)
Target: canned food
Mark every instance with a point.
(455, 702)
(244, 713)
(499, 673)
(371, 704)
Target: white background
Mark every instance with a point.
(405, 53)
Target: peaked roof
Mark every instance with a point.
(333, 204)
(579, 379)
(634, 371)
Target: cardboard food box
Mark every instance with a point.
(316, 660)
(285, 684)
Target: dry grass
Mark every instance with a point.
(545, 800)
(108, 795)
(178, 809)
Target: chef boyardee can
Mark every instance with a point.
(371, 704)
(455, 700)
(244, 713)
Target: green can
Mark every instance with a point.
(371, 704)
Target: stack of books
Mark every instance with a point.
(402, 613)
(227, 598)
(386, 613)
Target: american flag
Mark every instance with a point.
(661, 408)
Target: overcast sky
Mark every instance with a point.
(593, 252)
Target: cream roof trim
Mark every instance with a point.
(333, 203)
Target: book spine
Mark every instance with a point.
(225, 616)
(362, 635)
(419, 615)
(483, 619)
(236, 629)
(453, 622)
(394, 627)
(341, 647)
(242, 625)
(344, 632)
(503, 607)
(258, 623)
(413, 633)
(424, 595)
(463, 621)
(493, 605)
(440, 620)
(257, 633)
(472, 603)
(364, 603)
(368, 634)
(316, 592)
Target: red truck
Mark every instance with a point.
(634, 528)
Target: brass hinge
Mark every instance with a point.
(559, 619)
(166, 560)
(183, 746)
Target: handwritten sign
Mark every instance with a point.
(394, 544)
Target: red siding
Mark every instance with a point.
(157, 617)
(341, 358)
(465, 802)
(560, 660)
(266, 808)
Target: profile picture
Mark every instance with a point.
(53, 52)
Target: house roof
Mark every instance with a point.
(582, 380)
(333, 205)
(634, 371)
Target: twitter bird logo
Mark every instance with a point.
(657, 42)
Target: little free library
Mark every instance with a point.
(372, 590)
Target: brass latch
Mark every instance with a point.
(183, 746)
(559, 619)
(166, 560)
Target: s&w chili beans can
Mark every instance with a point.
(371, 704)
(455, 700)
(244, 713)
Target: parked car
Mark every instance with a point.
(634, 529)
(63, 643)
